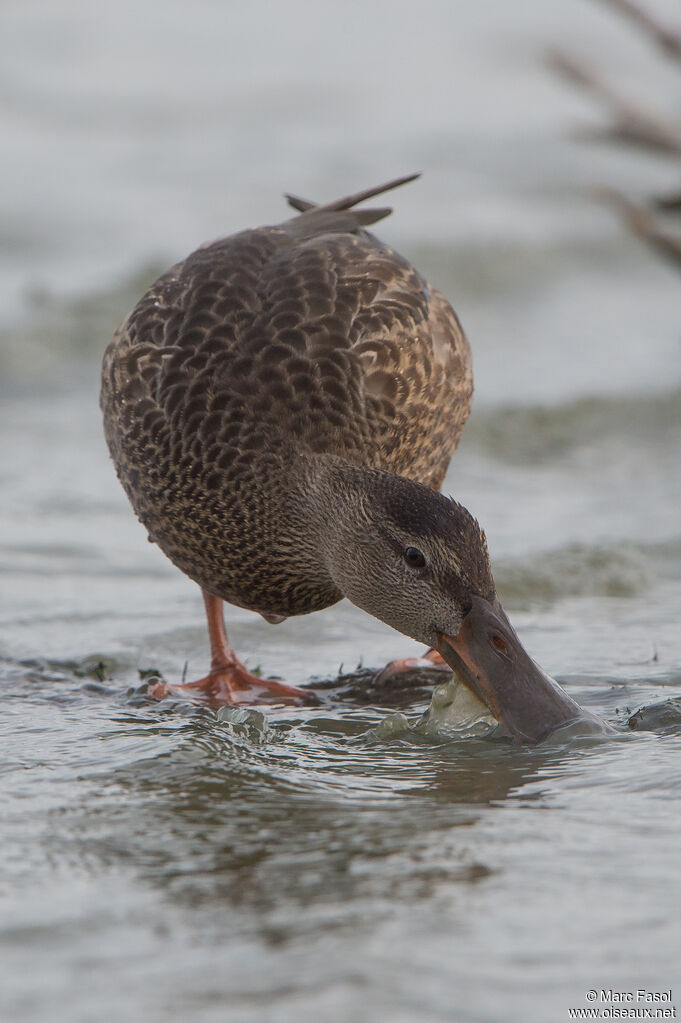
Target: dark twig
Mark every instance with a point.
(641, 221)
(632, 124)
(666, 38)
(669, 203)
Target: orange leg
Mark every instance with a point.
(431, 659)
(229, 681)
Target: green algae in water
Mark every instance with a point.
(97, 667)
(455, 713)
(394, 726)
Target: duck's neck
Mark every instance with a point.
(319, 521)
(339, 500)
(327, 502)
(334, 494)
(299, 528)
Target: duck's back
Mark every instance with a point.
(324, 336)
(312, 335)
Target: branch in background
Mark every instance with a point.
(669, 203)
(632, 124)
(666, 38)
(641, 221)
(632, 133)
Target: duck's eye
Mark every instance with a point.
(414, 558)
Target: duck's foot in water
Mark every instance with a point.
(233, 684)
(229, 681)
(431, 659)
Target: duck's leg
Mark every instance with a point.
(229, 681)
(431, 659)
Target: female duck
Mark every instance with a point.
(281, 408)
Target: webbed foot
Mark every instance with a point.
(431, 659)
(234, 684)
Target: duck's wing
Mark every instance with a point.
(404, 360)
(417, 374)
(415, 379)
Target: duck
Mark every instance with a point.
(281, 408)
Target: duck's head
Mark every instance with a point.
(419, 562)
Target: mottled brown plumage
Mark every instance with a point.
(311, 336)
(276, 406)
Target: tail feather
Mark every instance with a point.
(339, 216)
(348, 201)
(299, 204)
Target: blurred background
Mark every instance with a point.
(132, 132)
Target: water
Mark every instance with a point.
(161, 862)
